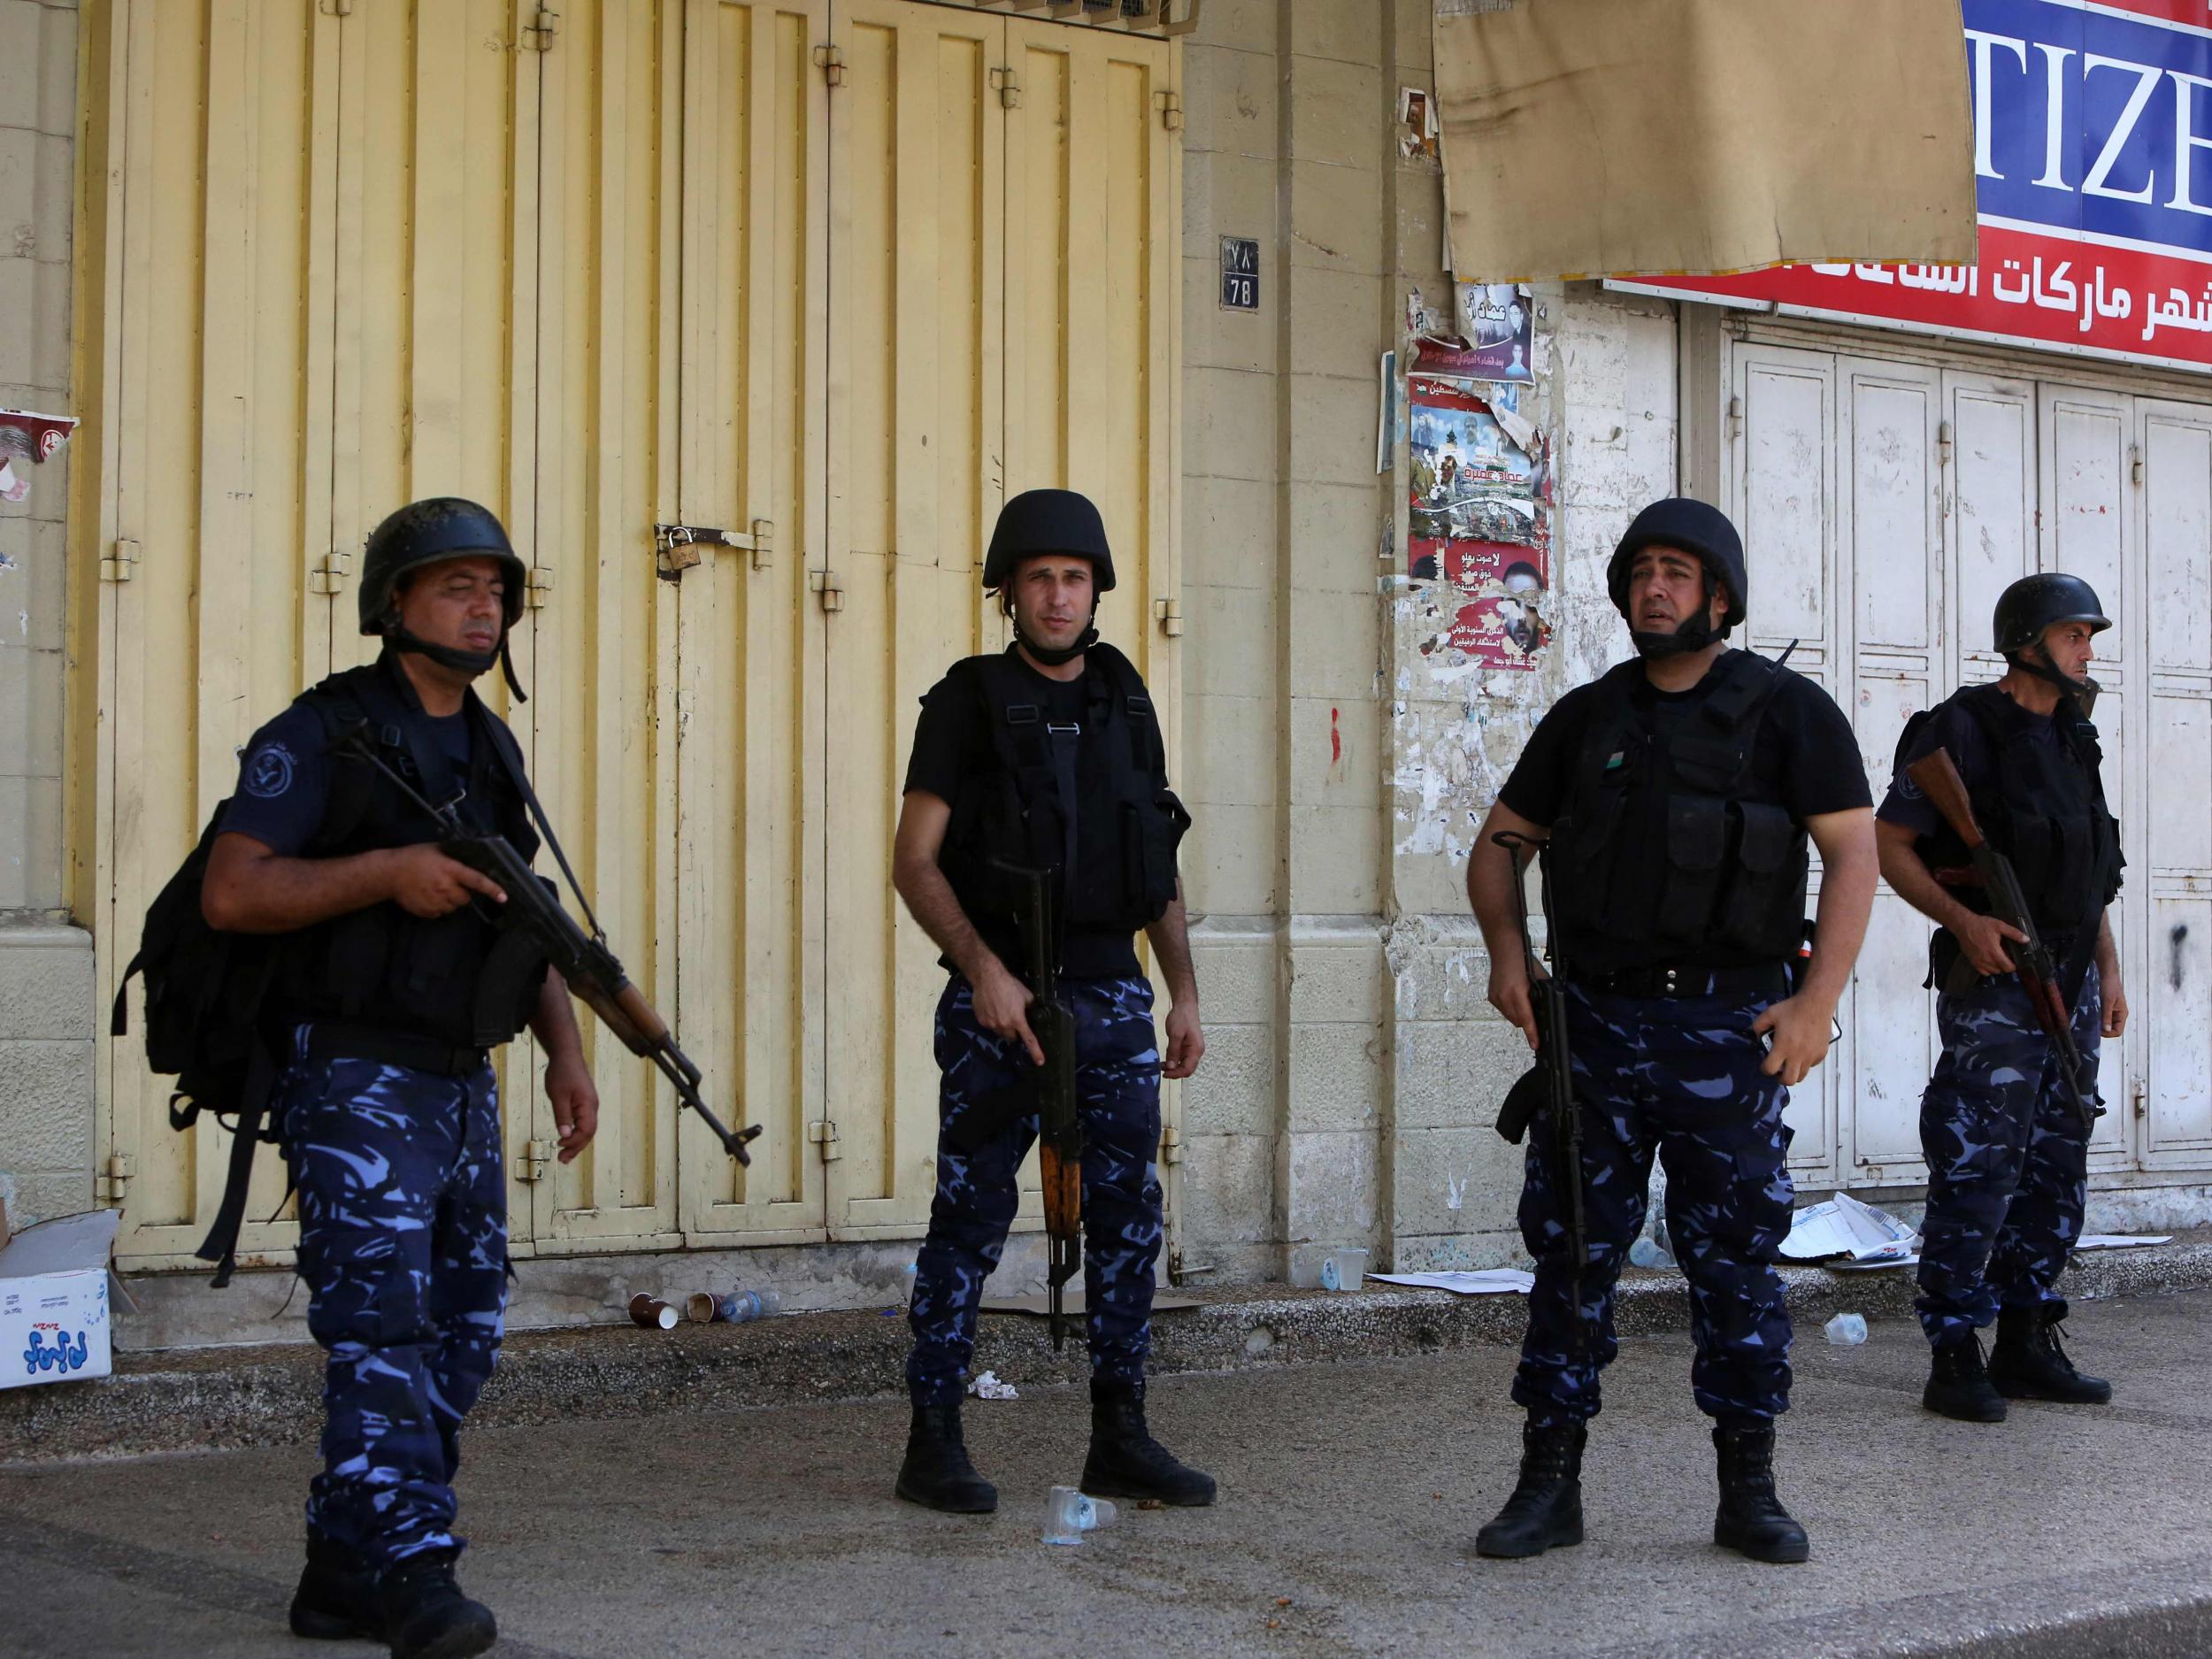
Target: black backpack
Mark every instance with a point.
(204, 993)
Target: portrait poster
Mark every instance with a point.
(1479, 524)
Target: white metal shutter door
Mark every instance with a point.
(2171, 877)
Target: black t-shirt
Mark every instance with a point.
(953, 744)
(284, 777)
(1804, 756)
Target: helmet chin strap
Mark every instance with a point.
(1051, 657)
(2083, 691)
(470, 663)
(1692, 633)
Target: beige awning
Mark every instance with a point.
(1601, 137)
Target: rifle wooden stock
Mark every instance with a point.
(1937, 776)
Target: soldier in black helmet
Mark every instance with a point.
(2007, 1149)
(389, 998)
(1046, 757)
(1678, 794)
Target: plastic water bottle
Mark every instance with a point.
(1070, 1513)
(750, 1304)
(1846, 1330)
(1644, 1253)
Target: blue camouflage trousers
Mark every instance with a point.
(403, 1248)
(1677, 1078)
(987, 1121)
(2008, 1158)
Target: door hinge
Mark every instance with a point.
(1735, 419)
(1171, 1145)
(826, 584)
(2135, 463)
(1943, 443)
(1170, 612)
(833, 62)
(538, 33)
(329, 574)
(537, 1157)
(1008, 82)
(539, 588)
(677, 545)
(823, 1133)
(1170, 107)
(116, 1177)
(121, 565)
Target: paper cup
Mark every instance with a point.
(650, 1311)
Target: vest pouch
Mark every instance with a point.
(1697, 841)
(1766, 902)
(353, 968)
(1162, 825)
(507, 987)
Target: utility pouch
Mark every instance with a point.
(1771, 838)
(1697, 841)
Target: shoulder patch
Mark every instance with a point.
(269, 772)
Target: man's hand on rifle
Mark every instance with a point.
(1001, 1007)
(425, 882)
(1801, 1031)
(1982, 939)
(1509, 993)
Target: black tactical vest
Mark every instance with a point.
(1121, 836)
(2043, 807)
(1668, 848)
(457, 978)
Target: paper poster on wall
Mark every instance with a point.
(1496, 324)
(1480, 523)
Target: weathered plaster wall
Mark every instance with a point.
(1338, 772)
(46, 1014)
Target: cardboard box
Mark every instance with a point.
(54, 1301)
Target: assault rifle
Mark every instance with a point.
(1059, 1127)
(582, 958)
(1546, 1089)
(1937, 776)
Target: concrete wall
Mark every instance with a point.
(46, 1014)
(1337, 771)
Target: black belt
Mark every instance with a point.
(332, 1040)
(1767, 979)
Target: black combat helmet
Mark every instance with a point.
(427, 533)
(1048, 521)
(1694, 526)
(2033, 604)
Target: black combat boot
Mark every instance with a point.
(1959, 1387)
(1126, 1461)
(2028, 1364)
(937, 1473)
(426, 1616)
(1544, 1510)
(1751, 1520)
(336, 1600)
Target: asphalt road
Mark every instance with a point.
(1351, 1496)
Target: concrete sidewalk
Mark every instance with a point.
(199, 1399)
(1351, 1495)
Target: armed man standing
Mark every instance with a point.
(2004, 1121)
(1677, 793)
(1046, 758)
(393, 988)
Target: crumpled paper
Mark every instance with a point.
(987, 1386)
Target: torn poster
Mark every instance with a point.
(1844, 1226)
(1488, 1281)
(27, 435)
(1480, 523)
(1418, 134)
